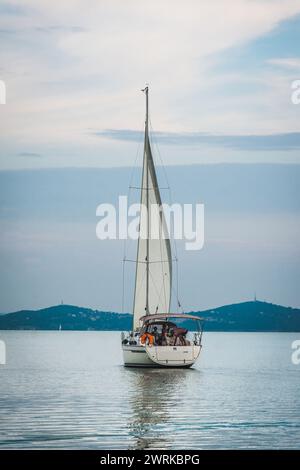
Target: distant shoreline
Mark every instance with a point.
(119, 331)
(254, 316)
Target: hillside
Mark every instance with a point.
(246, 316)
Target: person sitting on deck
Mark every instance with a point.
(179, 334)
(170, 337)
(132, 340)
(157, 336)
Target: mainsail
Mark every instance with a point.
(154, 264)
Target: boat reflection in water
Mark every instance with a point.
(156, 401)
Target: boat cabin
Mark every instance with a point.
(170, 330)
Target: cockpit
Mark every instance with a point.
(161, 330)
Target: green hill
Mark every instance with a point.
(246, 316)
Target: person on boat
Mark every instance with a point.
(164, 335)
(157, 336)
(170, 337)
(179, 335)
(132, 341)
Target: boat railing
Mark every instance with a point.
(197, 338)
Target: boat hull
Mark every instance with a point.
(160, 356)
(136, 356)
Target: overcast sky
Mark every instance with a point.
(49, 250)
(220, 75)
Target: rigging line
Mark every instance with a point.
(161, 216)
(162, 220)
(157, 291)
(123, 285)
(129, 199)
(153, 138)
(177, 288)
(165, 173)
(178, 303)
(140, 286)
(131, 180)
(154, 284)
(136, 156)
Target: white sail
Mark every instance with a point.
(154, 264)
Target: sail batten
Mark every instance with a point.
(154, 264)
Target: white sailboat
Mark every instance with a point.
(158, 337)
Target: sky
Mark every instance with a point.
(220, 75)
(49, 251)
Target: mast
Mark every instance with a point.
(147, 200)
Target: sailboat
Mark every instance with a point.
(159, 338)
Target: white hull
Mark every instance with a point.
(160, 356)
(136, 356)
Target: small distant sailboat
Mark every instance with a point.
(59, 328)
(156, 339)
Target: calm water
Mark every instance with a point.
(69, 390)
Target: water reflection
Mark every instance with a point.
(154, 393)
(57, 394)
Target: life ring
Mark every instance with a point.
(147, 338)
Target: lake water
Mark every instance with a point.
(70, 390)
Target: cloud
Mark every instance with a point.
(50, 29)
(169, 47)
(29, 155)
(290, 63)
(75, 65)
(288, 141)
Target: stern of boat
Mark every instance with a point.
(137, 355)
(174, 356)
